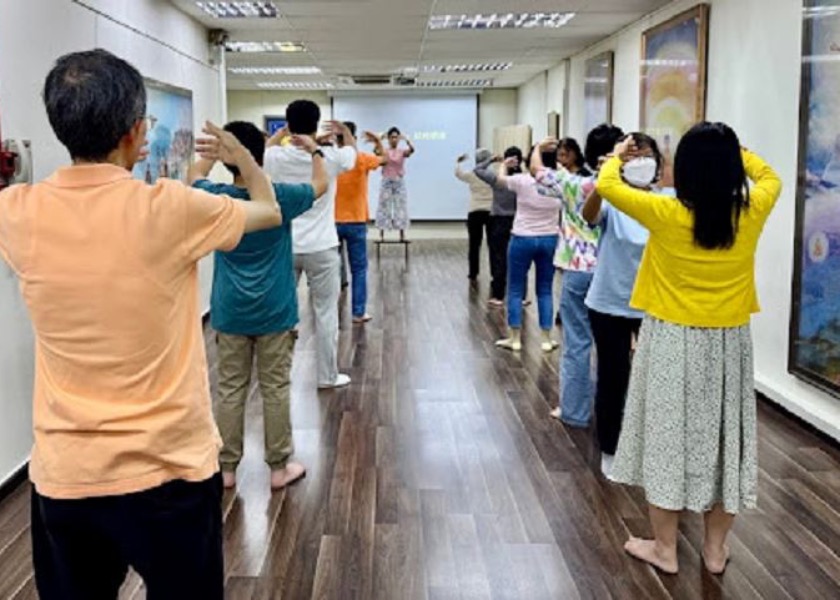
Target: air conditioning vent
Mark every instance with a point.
(371, 79)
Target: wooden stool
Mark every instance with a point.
(379, 244)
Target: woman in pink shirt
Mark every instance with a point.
(392, 213)
(536, 228)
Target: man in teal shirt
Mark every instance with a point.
(253, 308)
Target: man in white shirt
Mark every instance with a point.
(313, 233)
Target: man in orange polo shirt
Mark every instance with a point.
(351, 219)
(126, 457)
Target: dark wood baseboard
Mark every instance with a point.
(785, 413)
(17, 479)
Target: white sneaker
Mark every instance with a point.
(607, 464)
(341, 381)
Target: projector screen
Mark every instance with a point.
(440, 127)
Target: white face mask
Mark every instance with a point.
(640, 172)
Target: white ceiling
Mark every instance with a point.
(372, 37)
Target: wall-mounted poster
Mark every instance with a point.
(674, 80)
(598, 90)
(170, 136)
(273, 124)
(814, 352)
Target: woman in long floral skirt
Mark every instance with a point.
(392, 212)
(689, 431)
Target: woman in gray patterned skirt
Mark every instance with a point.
(689, 431)
(392, 212)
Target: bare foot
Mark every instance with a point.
(509, 344)
(716, 560)
(649, 552)
(283, 477)
(229, 479)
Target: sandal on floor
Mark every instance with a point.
(508, 344)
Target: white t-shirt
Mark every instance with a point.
(314, 230)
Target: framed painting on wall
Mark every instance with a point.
(673, 80)
(170, 136)
(814, 352)
(273, 124)
(598, 90)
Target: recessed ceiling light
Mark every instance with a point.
(467, 68)
(265, 47)
(295, 85)
(240, 10)
(501, 21)
(275, 70)
(470, 83)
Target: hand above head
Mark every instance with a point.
(496, 159)
(463, 157)
(511, 162)
(305, 143)
(219, 145)
(338, 128)
(626, 149)
(549, 144)
(325, 139)
(370, 137)
(278, 137)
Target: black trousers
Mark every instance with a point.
(170, 535)
(613, 343)
(477, 222)
(498, 237)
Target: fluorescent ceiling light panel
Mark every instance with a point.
(275, 70)
(265, 47)
(442, 83)
(240, 10)
(295, 85)
(467, 68)
(501, 21)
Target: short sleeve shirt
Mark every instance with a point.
(254, 290)
(108, 270)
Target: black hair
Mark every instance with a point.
(549, 159)
(249, 136)
(351, 126)
(303, 117)
(571, 145)
(644, 141)
(600, 142)
(93, 99)
(515, 152)
(394, 130)
(711, 182)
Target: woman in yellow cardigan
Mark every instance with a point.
(689, 431)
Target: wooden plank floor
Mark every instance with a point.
(438, 474)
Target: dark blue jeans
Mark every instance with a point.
(355, 236)
(522, 252)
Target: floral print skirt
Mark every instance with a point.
(689, 432)
(392, 212)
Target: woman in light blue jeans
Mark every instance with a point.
(533, 241)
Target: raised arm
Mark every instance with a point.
(200, 169)
(591, 211)
(378, 148)
(410, 150)
(320, 177)
(767, 186)
(459, 173)
(263, 211)
(278, 137)
(651, 210)
(488, 175)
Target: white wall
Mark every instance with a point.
(254, 105)
(496, 108)
(532, 108)
(32, 35)
(756, 90)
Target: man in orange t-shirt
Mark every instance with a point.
(125, 463)
(351, 219)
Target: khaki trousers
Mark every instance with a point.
(274, 365)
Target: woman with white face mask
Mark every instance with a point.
(614, 323)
